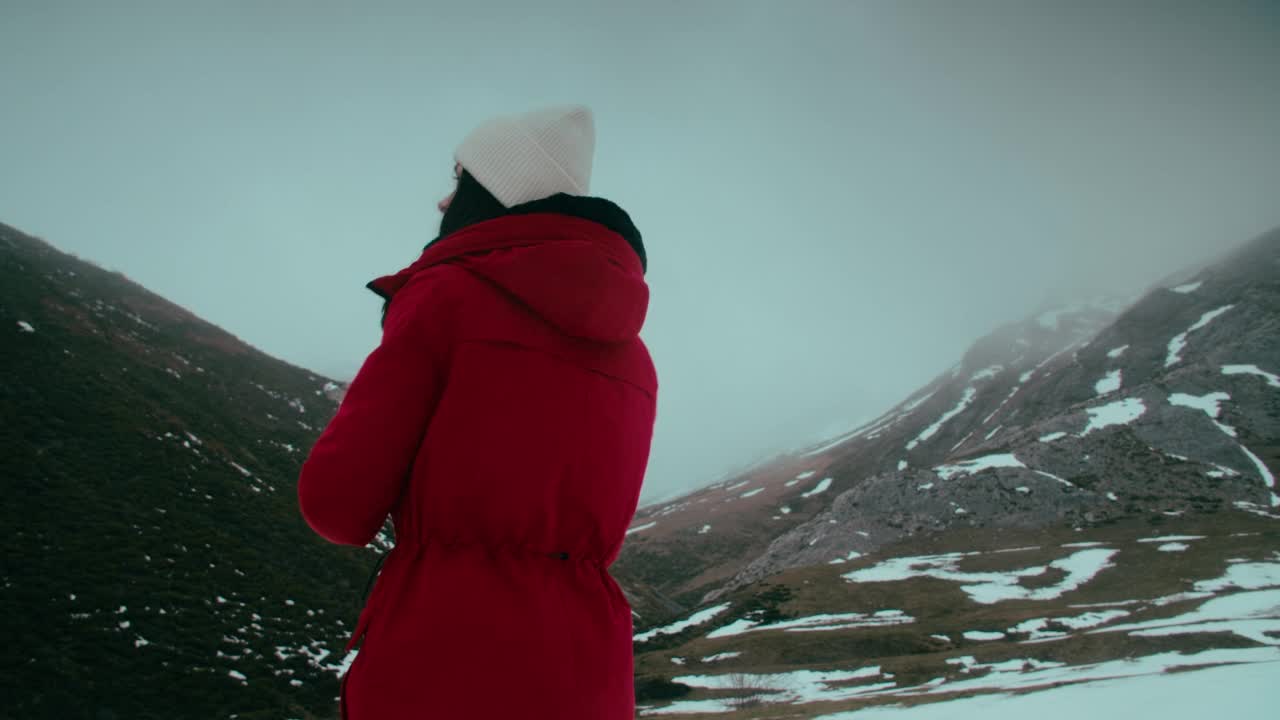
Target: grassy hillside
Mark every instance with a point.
(156, 564)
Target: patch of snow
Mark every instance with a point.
(677, 660)
(911, 406)
(1114, 353)
(1179, 597)
(1038, 628)
(638, 528)
(237, 675)
(1244, 576)
(987, 373)
(993, 432)
(926, 486)
(1052, 436)
(737, 627)
(785, 510)
(1120, 412)
(1109, 384)
(1188, 288)
(968, 467)
(24, 326)
(818, 623)
(819, 488)
(969, 394)
(834, 443)
(242, 469)
(983, 636)
(1105, 690)
(1267, 477)
(852, 555)
(682, 707)
(990, 587)
(680, 625)
(1253, 615)
(1173, 547)
(751, 493)
(806, 474)
(1209, 404)
(1053, 477)
(1179, 341)
(902, 465)
(705, 529)
(795, 687)
(1272, 379)
(721, 656)
(1221, 472)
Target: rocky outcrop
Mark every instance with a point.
(1077, 415)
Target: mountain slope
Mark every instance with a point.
(1087, 494)
(1078, 415)
(156, 564)
(968, 611)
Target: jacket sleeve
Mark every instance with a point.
(359, 466)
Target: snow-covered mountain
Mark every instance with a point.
(1079, 478)
(1077, 415)
(1168, 408)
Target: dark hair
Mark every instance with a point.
(471, 204)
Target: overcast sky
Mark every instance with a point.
(837, 197)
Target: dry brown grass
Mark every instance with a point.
(914, 656)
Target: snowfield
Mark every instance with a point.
(1121, 412)
(1246, 690)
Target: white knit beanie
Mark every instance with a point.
(521, 158)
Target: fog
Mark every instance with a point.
(837, 197)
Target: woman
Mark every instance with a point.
(504, 422)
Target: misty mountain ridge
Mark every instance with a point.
(1102, 419)
(1044, 391)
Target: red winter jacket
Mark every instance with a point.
(504, 422)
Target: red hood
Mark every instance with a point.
(576, 274)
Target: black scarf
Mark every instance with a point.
(472, 204)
